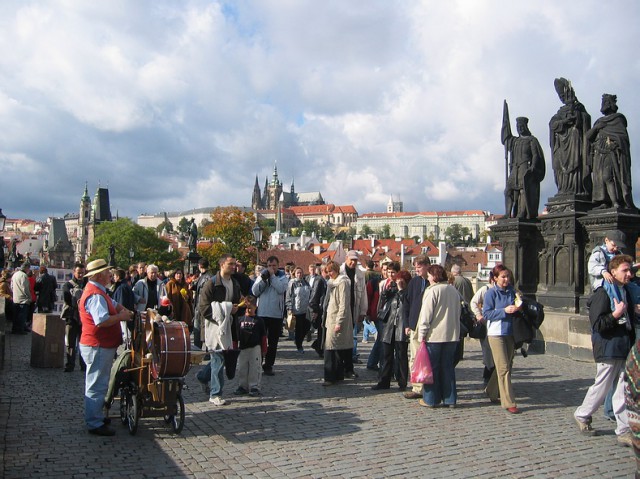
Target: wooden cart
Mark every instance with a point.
(160, 359)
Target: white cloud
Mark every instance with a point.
(179, 105)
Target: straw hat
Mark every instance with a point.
(95, 267)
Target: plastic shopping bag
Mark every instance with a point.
(422, 373)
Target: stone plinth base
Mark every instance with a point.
(566, 335)
(47, 341)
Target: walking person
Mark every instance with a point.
(499, 309)
(270, 288)
(610, 313)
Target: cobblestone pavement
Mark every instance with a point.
(301, 429)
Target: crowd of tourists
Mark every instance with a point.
(227, 309)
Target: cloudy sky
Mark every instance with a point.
(178, 105)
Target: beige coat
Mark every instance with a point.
(339, 312)
(439, 320)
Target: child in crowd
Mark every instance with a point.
(253, 344)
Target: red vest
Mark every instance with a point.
(92, 335)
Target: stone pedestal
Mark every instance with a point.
(47, 341)
(191, 264)
(562, 261)
(521, 242)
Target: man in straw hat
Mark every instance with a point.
(101, 336)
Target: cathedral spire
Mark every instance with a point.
(256, 199)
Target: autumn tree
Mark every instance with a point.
(231, 231)
(125, 235)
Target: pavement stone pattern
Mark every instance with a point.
(301, 429)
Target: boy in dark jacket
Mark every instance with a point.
(252, 336)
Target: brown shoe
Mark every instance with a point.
(585, 427)
(625, 439)
(412, 395)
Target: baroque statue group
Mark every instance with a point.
(591, 163)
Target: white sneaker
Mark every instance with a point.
(217, 401)
(365, 341)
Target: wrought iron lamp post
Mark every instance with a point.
(257, 238)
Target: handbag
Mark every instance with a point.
(291, 321)
(479, 330)
(467, 319)
(383, 312)
(422, 372)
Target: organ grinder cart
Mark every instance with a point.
(150, 375)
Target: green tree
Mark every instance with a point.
(232, 228)
(125, 235)
(457, 234)
(165, 224)
(326, 233)
(183, 225)
(310, 227)
(386, 232)
(365, 230)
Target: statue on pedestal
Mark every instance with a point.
(610, 153)
(525, 169)
(567, 130)
(193, 236)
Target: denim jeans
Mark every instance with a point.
(96, 382)
(21, 317)
(443, 389)
(376, 354)
(213, 373)
(369, 328)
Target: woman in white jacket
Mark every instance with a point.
(439, 327)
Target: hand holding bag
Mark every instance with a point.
(422, 373)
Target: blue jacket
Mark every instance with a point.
(495, 300)
(610, 339)
(270, 295)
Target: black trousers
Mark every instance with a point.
(303, 325)
(335, 364)
(401, 361)
(274, 328)
(72, 336)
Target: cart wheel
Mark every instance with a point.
(133, 412)
(177, 421)
(123, 407)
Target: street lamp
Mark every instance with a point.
(3, 219)
(131, 255)
(257, 238)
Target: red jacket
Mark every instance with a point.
(92, 335)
